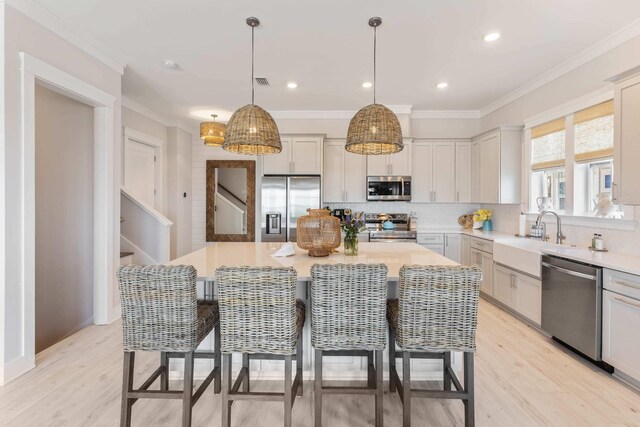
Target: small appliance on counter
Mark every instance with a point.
(341, 213)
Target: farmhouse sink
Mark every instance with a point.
(520, 254)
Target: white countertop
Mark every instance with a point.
(395, 255)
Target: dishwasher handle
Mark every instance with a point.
(569, 272)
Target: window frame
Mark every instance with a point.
(569, 216)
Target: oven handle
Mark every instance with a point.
(569, 272)
(378, 240)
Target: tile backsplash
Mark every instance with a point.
(429, 215)
(626, 241)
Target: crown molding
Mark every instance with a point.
(187, 126)
(603, 46)
(445, 114)
(62, 29)
(586, 101)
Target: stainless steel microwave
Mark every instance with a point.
(389, 188)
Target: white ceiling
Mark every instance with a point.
(326, 47)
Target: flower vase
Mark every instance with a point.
(351, 245)
(487, 225)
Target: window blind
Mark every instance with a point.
(594, 132)
(548, 145)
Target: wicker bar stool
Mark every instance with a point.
(161, 312)
(261, 319)
(348, 306)
(436, 313)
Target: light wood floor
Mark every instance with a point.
(522, 379)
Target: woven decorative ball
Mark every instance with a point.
(318, 232)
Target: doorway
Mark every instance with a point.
(142, 171)
(64, 181)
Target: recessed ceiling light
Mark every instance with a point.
(168, 63)
(367, 84)
(491, 37)
(442, 85)
(292, 85)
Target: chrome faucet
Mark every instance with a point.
(559, 236)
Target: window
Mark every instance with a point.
(547, 164)
(589, 172)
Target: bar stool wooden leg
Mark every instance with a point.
(164, 376)
(299, 362)
(318, 389)
(288, 403)
(446, 365)
(226, 388)
(245, 367)
(217, 359)
(469, 403)
(406, 388)
(127, 387)
(187, 392)
(379, 389)
(392, 360)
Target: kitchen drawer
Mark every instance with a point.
(482, 245)
(622, 283)
(431, 238)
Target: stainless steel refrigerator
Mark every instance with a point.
(284, 200)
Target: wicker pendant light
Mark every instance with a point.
(251, 129)
(374, 129)
(212, 133)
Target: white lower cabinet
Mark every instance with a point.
(452, 247)
(620, 333)
(518, 291)
(620, 321)
(503, 286)
(483, 260)
(465, 247)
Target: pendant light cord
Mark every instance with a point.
(375, 39)
(252, 59)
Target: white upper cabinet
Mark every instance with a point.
(475, 170)
(421, 182)
(496, 159)
(391, 164)
(300, 155)
(344, 177)
(433, 176)
(463, 172)
(627, 140)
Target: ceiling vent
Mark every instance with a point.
(262, 81)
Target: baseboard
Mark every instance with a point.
(13, 369)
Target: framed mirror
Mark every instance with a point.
(231, 199)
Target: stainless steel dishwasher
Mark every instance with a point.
(572, 305)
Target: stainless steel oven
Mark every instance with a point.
(389, 188)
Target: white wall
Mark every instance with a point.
(179, 188)
(64, 217)
(22, 34)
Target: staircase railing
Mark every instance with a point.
(145, 231)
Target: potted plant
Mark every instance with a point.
(482, 219)
(351, 227)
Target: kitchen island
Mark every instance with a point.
(394, 255)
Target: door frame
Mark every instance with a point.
(105, 203)
(132, 135)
